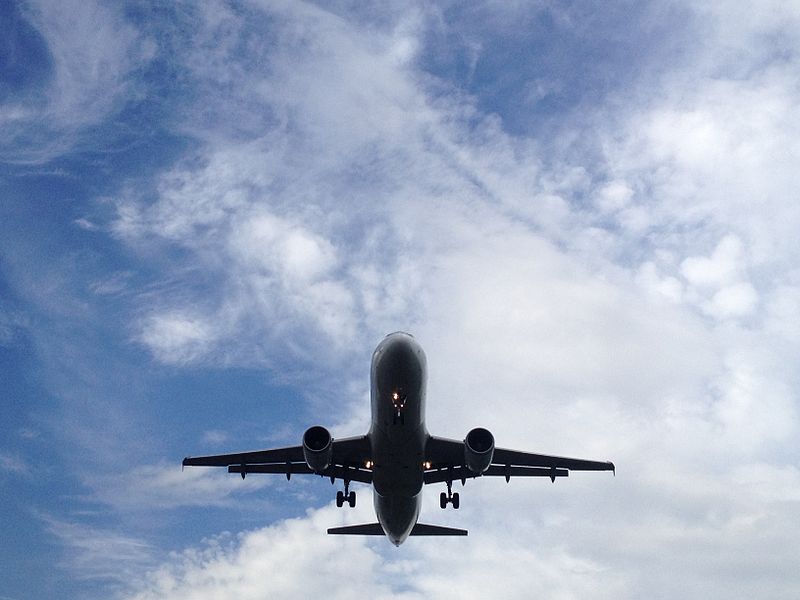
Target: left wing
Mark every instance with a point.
(347, 463)
(446, 458)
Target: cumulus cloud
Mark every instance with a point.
(236, 567)
(269, 563)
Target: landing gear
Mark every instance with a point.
(449, 498)
(346, 496)
(399, 403)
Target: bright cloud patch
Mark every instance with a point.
(176, 338)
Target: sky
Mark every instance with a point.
(586, 213)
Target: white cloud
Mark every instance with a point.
(93, 53)
(719, 281)
(95, 553)
(735, 300)
(723, 267)
(614, 196)
(13, 464)
(163, 486)
(274, 562)
(177, 338)
(301, 559)
(268, 246)
(214, 436)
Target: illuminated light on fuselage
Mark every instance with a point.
(426, 464)
(368, 464)
(398, 400)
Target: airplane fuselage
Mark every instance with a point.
(398, 434)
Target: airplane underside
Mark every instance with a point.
(397, 456)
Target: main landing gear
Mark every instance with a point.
(346, 496)
(449, 498)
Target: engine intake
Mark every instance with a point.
(317, 448)
(478, 450)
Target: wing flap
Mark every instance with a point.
(336, 471)
(456, 473)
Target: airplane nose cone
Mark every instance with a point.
(400, 347)
(400, 364)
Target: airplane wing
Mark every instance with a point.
(446, 458)
(347, 463)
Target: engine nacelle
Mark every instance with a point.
(317, 448)
(478, 450)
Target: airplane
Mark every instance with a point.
(398, 456)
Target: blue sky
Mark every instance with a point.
(210, 214)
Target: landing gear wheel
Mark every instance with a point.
(455, 501)
(339, 499)
(443, 500)
(351, 499)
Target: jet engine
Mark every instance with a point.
(478, 450)
(317, 448)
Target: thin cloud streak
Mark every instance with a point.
(92, 54)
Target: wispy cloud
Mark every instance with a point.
(91, 52)
(94, 553)
(13, 464)
(12, 322)
(149, 488)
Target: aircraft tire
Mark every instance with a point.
(339, 499)
(351, 499)
(443, 500)
(456, 500)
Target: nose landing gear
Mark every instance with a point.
(399, 404)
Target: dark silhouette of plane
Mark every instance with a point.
(398, 455)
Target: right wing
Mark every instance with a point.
(447, 463)
(347, 463)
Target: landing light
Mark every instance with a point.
(368, 464)
(426, 465)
